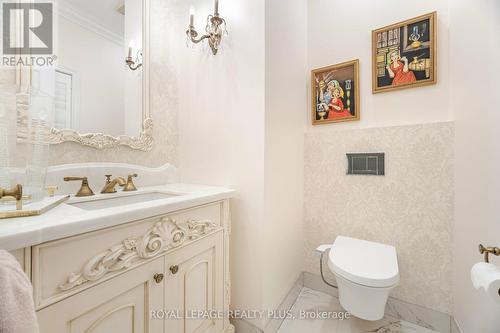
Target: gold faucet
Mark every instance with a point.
(85, 190)
(110, 185)
(130, 186)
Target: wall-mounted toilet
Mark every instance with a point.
(366, 272)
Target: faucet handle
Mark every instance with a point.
(130, 186)
(85, 190)
(16, 193)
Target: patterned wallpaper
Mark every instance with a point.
(411, 207)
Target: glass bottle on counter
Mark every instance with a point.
(7, 136)
(41, 112)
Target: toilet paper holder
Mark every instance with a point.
(487, 251)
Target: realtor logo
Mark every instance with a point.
(27, 28)
(28, 33)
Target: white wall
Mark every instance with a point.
(244, 129)
(475, 102)
(340, 30)
(101, 96)
(221, 126)
(286, 95)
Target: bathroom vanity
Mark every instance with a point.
(151, 260)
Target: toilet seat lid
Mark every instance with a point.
(363, 262)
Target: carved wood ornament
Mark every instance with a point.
(163, 236)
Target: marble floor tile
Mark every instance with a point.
(242, 326)
(430, 319)
(312, 301)
(386, 325)
(309, 302)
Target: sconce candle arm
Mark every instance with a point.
(215, 28)
(134, 64)
(192, 35)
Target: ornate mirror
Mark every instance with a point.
(100, 79)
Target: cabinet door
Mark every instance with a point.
(194, 287)
(122, 304)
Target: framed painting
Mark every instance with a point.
(335, 93)
(404, 54)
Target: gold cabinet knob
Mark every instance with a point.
(174, 269)
(158, 277)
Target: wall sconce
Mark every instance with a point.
(214, 29)
(131, 63)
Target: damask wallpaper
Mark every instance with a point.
(411, 207)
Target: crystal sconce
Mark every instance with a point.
(214, 29)
(133, 64)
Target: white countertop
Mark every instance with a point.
(66, 220)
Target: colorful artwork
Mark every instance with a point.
(404, 54)
(335, 93)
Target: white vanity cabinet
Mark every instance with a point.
(195, 287)
(121, 304)
(167, 273)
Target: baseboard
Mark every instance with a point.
(314, 281)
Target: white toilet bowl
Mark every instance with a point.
(366, 272)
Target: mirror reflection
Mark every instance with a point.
(98, 84)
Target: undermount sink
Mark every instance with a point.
(103, 203)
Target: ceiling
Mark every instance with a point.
(103, 12)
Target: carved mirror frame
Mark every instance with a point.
(142, 142)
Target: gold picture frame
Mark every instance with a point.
(394, 45)
(335, 93)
